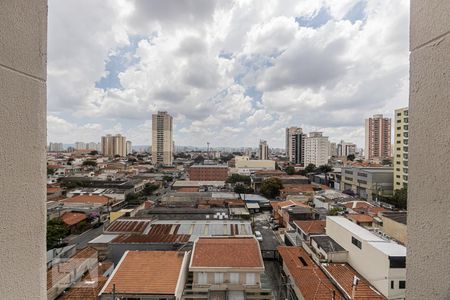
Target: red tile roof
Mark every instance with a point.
(357, 204)
(277, 204)
(312, 226)
(72, 218)
(343, 274)
(146, 273)
(161, 233)
(226, 252)
(88, 199)
(308, 277)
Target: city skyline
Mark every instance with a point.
(230, 88)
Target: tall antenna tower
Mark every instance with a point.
(207, 149)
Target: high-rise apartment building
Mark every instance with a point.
(401, 148)
(333, 149)
(114, 145)
(345, 149)
(378, 138)
(80, 146)
(55, 147)
(295, 145)
(263, 150)
(162, 142)
(129, 148)
(317, 149)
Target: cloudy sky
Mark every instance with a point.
(230, 72)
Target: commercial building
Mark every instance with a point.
(208, 173)
(295, 145)
(368, 183)
(129, 148)
(317, 149)
(401, 148)
(386, 268)
(263, 150)
(377, 138)
(162, 141)
(227, 268)
(114, 145)
(244, 164)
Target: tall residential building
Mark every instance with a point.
(263, 150)
(162, 142)
(378, 138)
(94, 146)
(317, 149)
(401, 148)
(129, 148)
(55, 147)
(333, 149)
(345, 149)
(113, 145)
(80, 146)
(295, 145)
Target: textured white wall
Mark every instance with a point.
(428, 261)
(23, 46)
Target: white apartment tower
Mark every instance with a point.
(295, 145)
(129, 148)
(114, 145)
(162, 142)
(263, 150)
(378, 138)
(317, 149)
(345, 149)
(401, 148)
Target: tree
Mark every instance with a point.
(235, 178)
(400, 198)
(149, 189)
(310, 168)
(50, 171)
(242, 189)
(271, 187)
(335, 211)
(227, 158)
(133, 199)
(351, 157)
(325, 169)
(290, 170)
(199, 159)
(167, 178)
(56, 231)
(93, 152)
(89, 163)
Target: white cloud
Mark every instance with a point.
(231, 73)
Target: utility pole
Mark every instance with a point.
(207, 149)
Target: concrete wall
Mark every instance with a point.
(23, 47)
(428, 263)
(395, 229)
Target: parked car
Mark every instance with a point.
(259, 236)
(275, 226)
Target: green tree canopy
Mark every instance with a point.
(310, 168)
(56, 231)
(400, 198)
(290, 170)
(149, 189)
(234, 178)
(199, 159)
(50, 171)
(271, 187)
(351, 157)
(242, 189)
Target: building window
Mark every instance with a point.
(402, 284)
(250, 279)
(392, 284)
(234, 278)
(218, 278)
(397, 262)
(202, 278)
(356, 242)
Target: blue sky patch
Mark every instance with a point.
(357, 12)
(318, 20)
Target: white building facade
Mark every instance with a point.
(317, 149)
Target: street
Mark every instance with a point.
(82, 239)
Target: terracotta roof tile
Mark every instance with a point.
(95, 199)
(360, 218)
(343, 274)
(146, 273)
(312, 226)
(308, 277)
(72, 218)
(227, 252)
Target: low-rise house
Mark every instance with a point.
(330, 199)
(303, 278)
(73, 219)
(148, 275)
(296, 212)
(361, 219)
(386, 268)
(308, 228)
(279, 206)
(227, 268)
